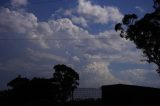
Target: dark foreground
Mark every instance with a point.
(113, 95)
(89, 102)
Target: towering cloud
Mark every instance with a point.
(98, 13)
(31, 47)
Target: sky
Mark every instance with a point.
(35, 35)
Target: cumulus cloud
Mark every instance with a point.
(38, 45)
(39, 55)
(141, 77)
(98, 13)
(100, 73)
(112, 48)
(22, 23)
(53, 41)
(17, 21)
(80, 20)
(75, 58)
(18, 3)
(87, 13)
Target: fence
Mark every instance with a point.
(87, 93)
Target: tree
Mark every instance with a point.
(67, 80)
(42, 88)
(145, 33)
(55, 89)
(35, 89)
(18, 82)
(19, 87)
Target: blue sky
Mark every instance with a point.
(36, 35)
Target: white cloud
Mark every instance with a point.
(141, 77)
(100, 74)
(80, 20)
(98, 13)
(75, 58)
(87, 13)
(17, 21)
(62, 42)
(139, 9)
(61, 32)
(18, 3)
(112, 48)
(23, 23)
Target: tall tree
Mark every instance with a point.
(67, 79)
(145, 33)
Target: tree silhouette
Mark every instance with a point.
(54, 90)
(145, 33)
(19, 88)
(156, 4)
(41, 88)
(18, 82)
(67, 80)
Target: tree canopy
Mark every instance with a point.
(67, 79)
(57, 88)
(144, 32)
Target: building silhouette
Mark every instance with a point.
(130, 94)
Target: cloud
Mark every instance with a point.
(80, 20)
(38, 45)
(139, 9)
(26, 67)
(45, 56)
(68, 12)
(76, 59)
(19, 3)
(49, 43)
(17, 21)
(86, 13)
(98, 13)
(22, 23)
(142, 77)
(112, 48)
(100, 73)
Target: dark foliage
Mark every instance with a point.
(145, 33)
(67, 80)
(40, 90)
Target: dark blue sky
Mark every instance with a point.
(38, 34)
